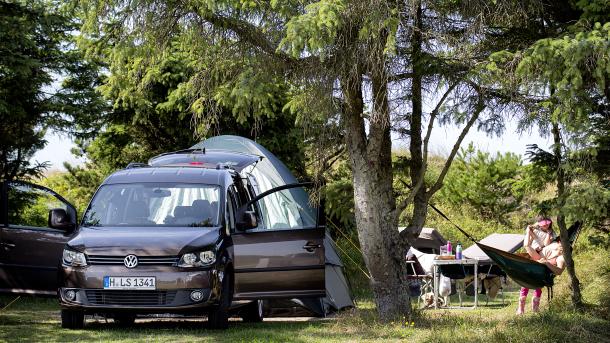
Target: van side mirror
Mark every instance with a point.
(61, 220)
(247, 221)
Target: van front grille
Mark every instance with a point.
(129, 298)
(142, 260)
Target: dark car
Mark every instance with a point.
(190, 233)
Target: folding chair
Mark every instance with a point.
(416, 273)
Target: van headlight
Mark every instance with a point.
(74, 258)
(198, 259)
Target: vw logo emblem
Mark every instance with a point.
(131, 261)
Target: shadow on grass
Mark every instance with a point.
(44, 326)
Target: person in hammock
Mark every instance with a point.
(552, 256)
(536, 237)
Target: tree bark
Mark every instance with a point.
(561, 222)
(416, 168)
(374, 200)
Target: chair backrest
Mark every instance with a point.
(415, 267)
(425, 260)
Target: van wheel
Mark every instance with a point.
(218, 319)
(71, 319)
(253, 312)
(124, 319)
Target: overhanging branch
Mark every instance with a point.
(254, 36)
(439, 181)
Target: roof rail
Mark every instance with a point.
(133, 165)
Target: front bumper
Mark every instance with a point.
(172, 294)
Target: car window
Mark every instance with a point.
(154, 204)
(29, 206)
(286, 209)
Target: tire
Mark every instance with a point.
(218, 318)
(71, 319)
(253, 312)
(124, 319)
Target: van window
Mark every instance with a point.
(287, 209)
(154, 204)
(29, 206)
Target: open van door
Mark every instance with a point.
(30, 250)
(279, 246)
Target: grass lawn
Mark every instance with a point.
(37, 320)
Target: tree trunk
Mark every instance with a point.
(375, 203)
(561, 222)
(420, 201)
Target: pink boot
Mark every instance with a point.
(521, 305)
(536, 304)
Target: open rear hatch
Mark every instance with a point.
(205, 158)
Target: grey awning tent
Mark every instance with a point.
(428, 241)
(269, 173)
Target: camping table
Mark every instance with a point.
(436, 276)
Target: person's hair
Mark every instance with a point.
(543, 217)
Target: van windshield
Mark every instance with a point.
(154, 204)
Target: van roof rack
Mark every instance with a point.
(133, 165)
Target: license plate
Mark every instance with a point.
(131, 282)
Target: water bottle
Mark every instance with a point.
(458, 251)
(449, 249)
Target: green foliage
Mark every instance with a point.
(587, 200)
(36, 47)
(314, 30)
(488, 184)
(594, 10)
(339, 194)
(575, 65)
(251, 93)
(30, 50)
(77, 185)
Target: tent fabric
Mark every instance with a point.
(429, 240)
(330, 252)
(508, 242)
(338, 296)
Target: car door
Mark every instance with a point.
(283, 256)
(30, 251)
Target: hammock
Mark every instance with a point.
(525, 272)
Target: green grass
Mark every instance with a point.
(36, 320)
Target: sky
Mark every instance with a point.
(57, 150)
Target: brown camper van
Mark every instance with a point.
(188, 233)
